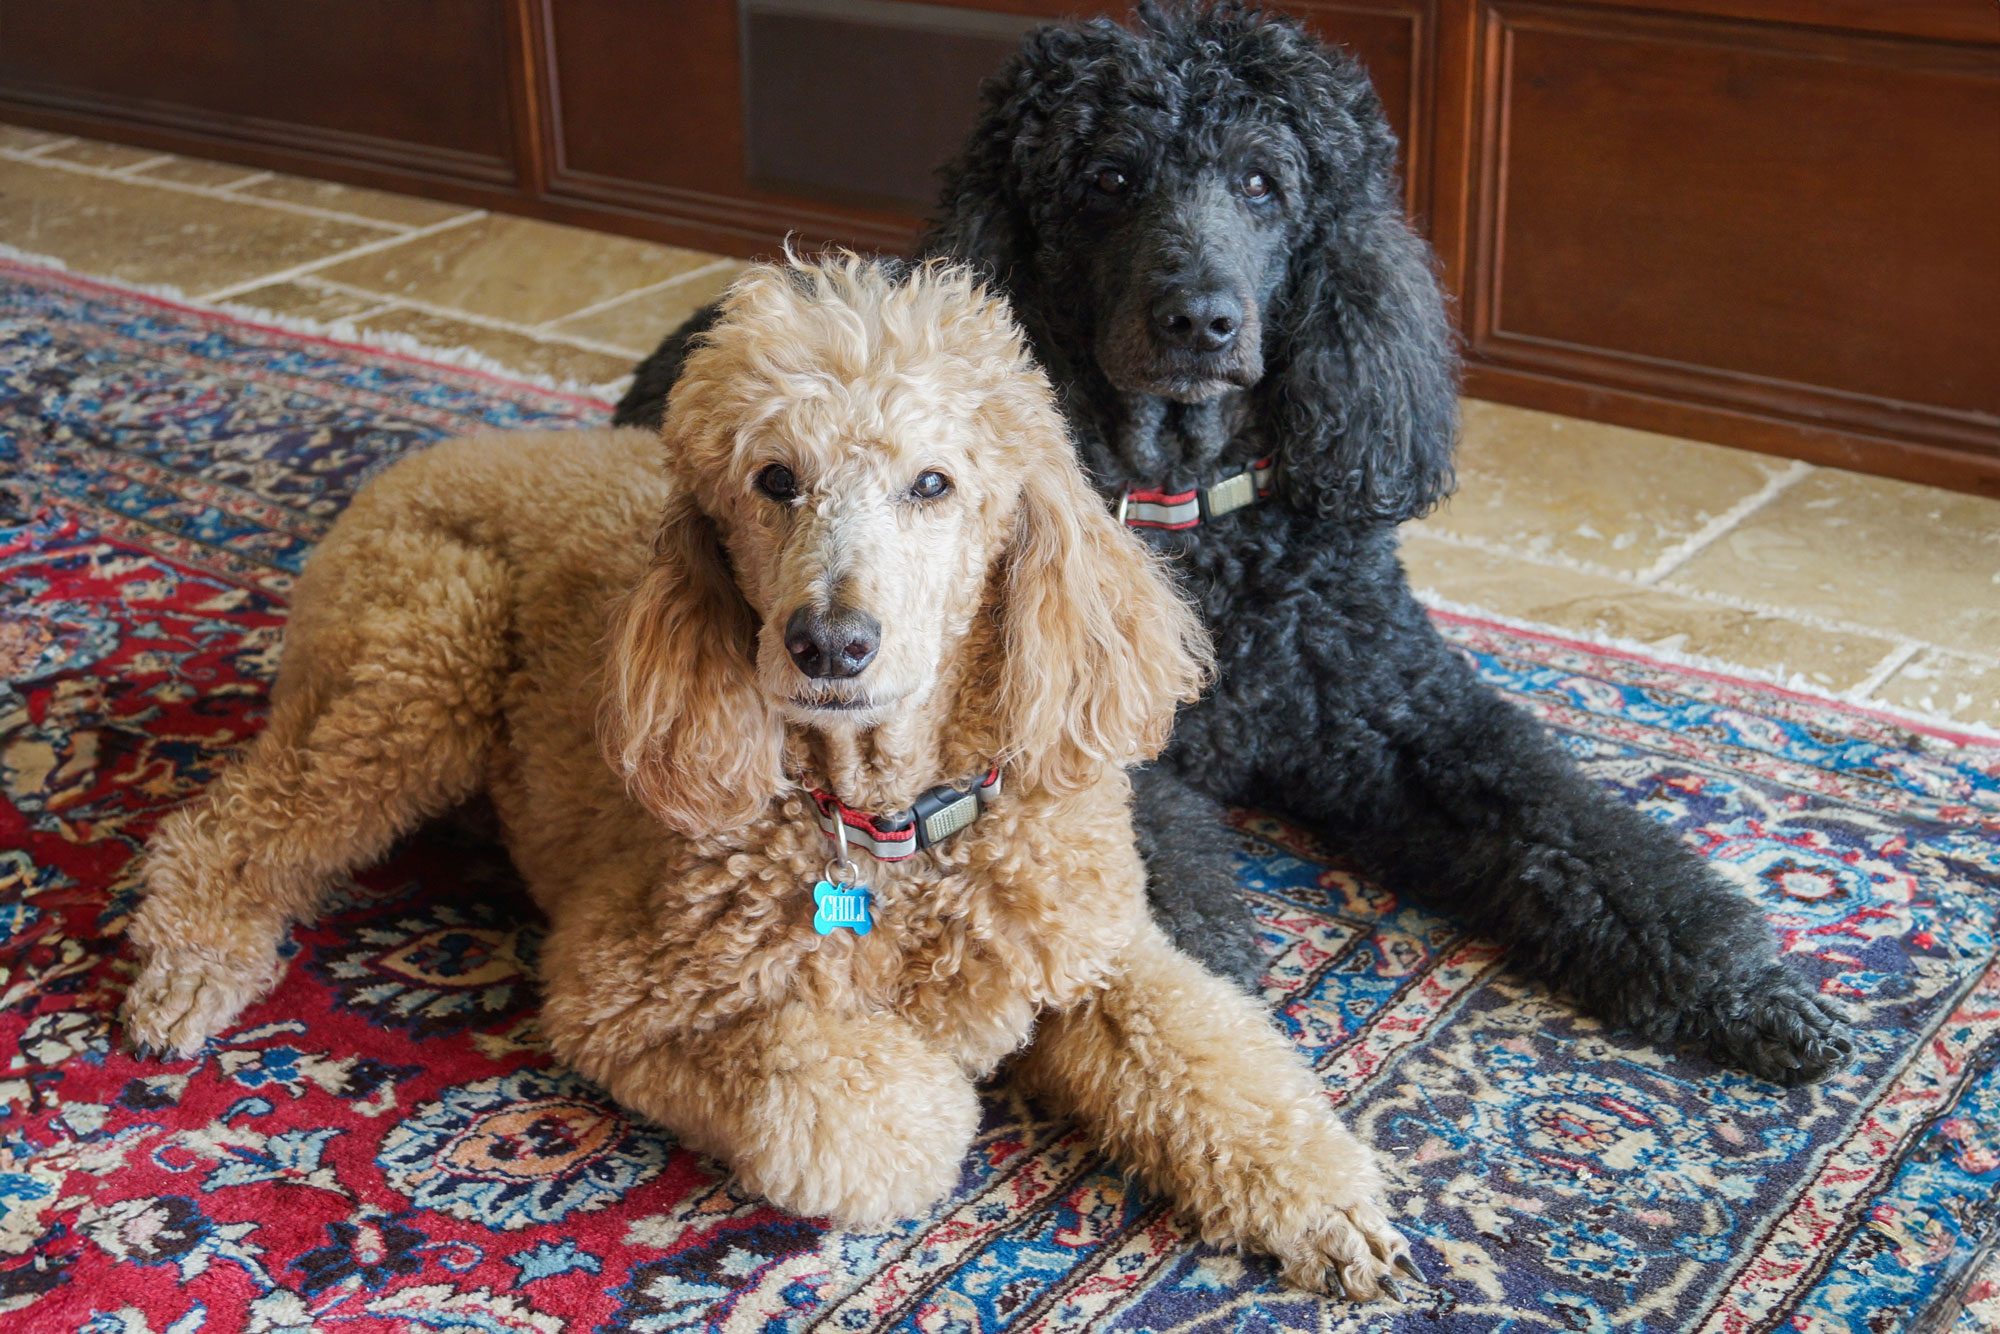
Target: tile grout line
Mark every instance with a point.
(1784, 674)
(530, 331)
(1819, 622)
(1730, 600)
(225, 193)
(133, 168)
(1715, 528)
(228, 194)
(354, 252)
(1492, 548)
(366, 313)
(49, 147)
(701, 271)
(1896, 659)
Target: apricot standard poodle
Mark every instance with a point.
(868, 605)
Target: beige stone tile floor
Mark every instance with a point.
(1878, 591)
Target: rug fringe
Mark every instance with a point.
(342, 331)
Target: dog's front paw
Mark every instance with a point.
(865, 1136)
(181, 999)
(1781, 1030)
(1349, 1251)
(1310, 1201)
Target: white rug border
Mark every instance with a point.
(342, 331)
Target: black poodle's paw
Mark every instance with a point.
(1781, 1030)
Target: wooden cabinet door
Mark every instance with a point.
(1771, 222)
(1768, 223)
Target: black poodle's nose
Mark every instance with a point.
(832, 645)
(1197, 321)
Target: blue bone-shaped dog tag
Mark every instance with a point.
(841, 906)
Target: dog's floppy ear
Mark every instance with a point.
(1363, 377)
(979, 219)
(984, 213)
(1099, 645)
(681, 718)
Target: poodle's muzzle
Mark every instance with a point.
(1185, 317)
(842, 633)
(832, 647)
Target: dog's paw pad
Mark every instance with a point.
(1354, 1253)
(176, 1004)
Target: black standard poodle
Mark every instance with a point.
(1197, 218)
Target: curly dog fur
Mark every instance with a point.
(509, 613)
(1196, 319)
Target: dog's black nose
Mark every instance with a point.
(830, 645)
(1197, 321)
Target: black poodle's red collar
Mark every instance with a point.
(1141, 507)
(933, 818)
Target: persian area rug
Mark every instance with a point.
(384, 1144)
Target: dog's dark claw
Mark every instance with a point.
(1408, 1268)
(1389, 1286)
(1334, 1286)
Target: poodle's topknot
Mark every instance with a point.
(837, 318)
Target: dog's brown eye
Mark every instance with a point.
(1256, 185)
(1111, 181)
(929, 486)
(778, 483)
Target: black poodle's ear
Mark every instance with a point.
(1363, 378)
(976, 220)
(984, 214)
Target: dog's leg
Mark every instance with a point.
(1473, 808)
(853, 1117)
(1191, 874)
(1185, 1080)
(383, 719)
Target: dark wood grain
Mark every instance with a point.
(1786, 221)
(375, 81)
(631, 132)
(1761, 222)
(1946, 20)
(906, 76)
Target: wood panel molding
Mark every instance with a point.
(740, 220)
(1942, 20)
(214, 134)
(277, 79)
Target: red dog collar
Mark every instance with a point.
(929, 821)
(1139, 508)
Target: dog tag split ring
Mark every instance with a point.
(840, 901)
